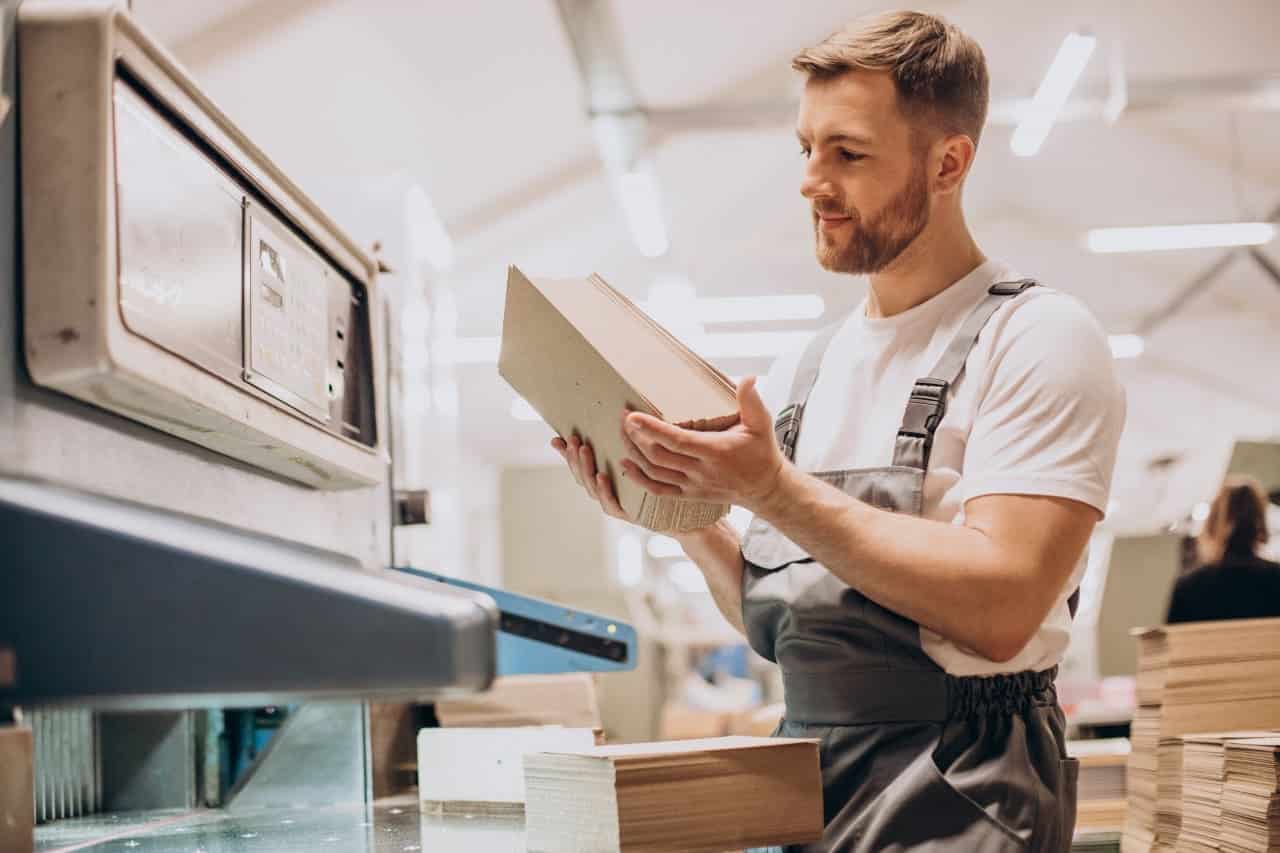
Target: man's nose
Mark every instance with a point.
(815, 184)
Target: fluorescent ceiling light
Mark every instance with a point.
(1066, 68)
(642, 208)
(1126, 346)
(720, 345)
(759, 309)
(1158, 238)
(522, 411)
(428, 238)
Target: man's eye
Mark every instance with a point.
(850, 156)
(804, 152)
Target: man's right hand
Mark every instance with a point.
(581, 460)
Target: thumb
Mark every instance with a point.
(751, 408)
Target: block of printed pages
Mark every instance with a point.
(582, 354)
(1100, 799)
(1192, 678)
(710, 795)
(1251, 796)
(1203, 772)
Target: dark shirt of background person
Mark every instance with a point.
(1234, 583)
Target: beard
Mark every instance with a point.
(872, 246)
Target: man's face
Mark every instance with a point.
(865, 176)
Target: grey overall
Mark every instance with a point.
(913, 759)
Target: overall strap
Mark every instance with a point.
(786, 427)
(928, 401)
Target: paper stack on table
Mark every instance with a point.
(1203, 760)
(582, 354)
(1100, 802)
(707, 795)
(1251, 796)
(1192, 678)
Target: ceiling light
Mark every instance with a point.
(484, 350)
(1065, 70)
(1158, 238)
(759, 309)
(1126, 346)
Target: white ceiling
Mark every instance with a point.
(481, 104)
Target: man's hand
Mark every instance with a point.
(581, 460)
(739, 465)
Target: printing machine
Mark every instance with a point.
(196, 501)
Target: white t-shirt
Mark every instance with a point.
(1037, 411)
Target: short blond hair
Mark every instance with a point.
(939, 72)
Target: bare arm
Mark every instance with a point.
(717, 551)
(987, 584)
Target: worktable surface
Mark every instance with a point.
(394, 825)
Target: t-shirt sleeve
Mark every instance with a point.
(1049, 420)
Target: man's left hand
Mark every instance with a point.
(740, 465)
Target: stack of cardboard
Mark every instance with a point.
(1100, 804)
(1144, 733)
(1195, 677)
(1251, 796)
(1168, 792)
(701, 795)
(1203, 760)
(582, 354)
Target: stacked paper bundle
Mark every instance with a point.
(1100, 801)
(696, 795)
(1168, 792)
(1144, 733)
(1203, 757)
(1194, 677)
(1251, 796)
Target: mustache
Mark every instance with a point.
(821, 210)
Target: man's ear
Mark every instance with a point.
(952, 158)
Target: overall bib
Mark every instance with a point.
(913, 759)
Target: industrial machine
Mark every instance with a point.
(196, 501)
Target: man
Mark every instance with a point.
(916, 545)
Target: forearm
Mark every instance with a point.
(955, 580)
(716, 550)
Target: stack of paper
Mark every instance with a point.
(1203, 758)
(1194, 677)
(1100, 804)
(1144, 733)
(699, 795)
(582, 354)
(1251, 796)
(1168, 792)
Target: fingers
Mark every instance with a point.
(634, 473)
(587, 469)
(652, 461)
(609, 497)
(647, 432)
(751, 408)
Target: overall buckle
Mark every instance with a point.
(925, 407)
(1011, 288)
(787, 427)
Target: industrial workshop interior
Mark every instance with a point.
(639, 425)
